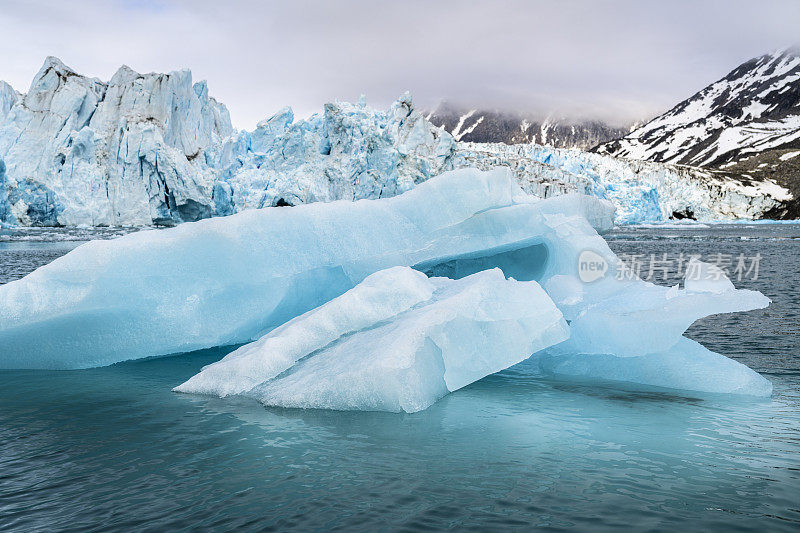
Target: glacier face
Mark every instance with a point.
(398, 341)
(130, 151)
(156, 149)
(349, 152)
(147, 149)
(641, 191)
(234, 279)
(8, 97)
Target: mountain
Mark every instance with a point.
(154, 148)
(484, 126)
(746, 123)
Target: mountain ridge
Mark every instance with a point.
(489, 126)
(743, 123)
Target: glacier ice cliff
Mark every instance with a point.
(130, 151)
(156, 149)
(146, 149)
(350, 152)
(642, 191)
(398, 341)
(234, 279)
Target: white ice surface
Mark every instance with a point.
(398, 341)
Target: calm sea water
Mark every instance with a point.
(113, 449)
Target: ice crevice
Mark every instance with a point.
(376, 304)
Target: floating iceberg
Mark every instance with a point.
(687, 365)
(397, 341)
(232, 280)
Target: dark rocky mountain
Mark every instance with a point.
(484, 126)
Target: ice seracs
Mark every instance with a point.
(153, 148)
(130, 151)
(8, 97)
(641, 191)
(398, 341)
(349, 152)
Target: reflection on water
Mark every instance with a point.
(114, 448)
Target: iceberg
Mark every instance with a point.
(398, 341)
(229, 280)
(235, 279)
(686, 366)
(636, 335)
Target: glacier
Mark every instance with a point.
(127, 152)
(234, 279)
(642, 191)
(156, 149)
(398, 341)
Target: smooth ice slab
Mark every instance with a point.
(398, 341)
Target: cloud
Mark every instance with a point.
(620, 60)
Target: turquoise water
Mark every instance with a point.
(113, 448)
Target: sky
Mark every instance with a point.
(617, 61)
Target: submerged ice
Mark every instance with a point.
(280, 277)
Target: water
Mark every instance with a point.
(113, 449)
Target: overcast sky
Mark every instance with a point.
(614, 60)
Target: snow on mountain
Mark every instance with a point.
(484, 126)
(153, 148)
(755, 108)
